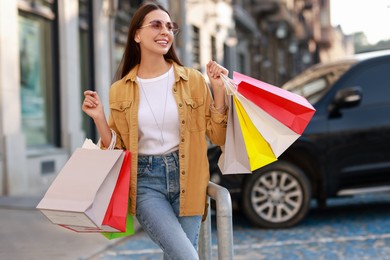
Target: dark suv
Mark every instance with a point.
(345, 149)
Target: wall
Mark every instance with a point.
(29, 170)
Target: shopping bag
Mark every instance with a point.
(81, 192)
(234, 157)
(278, 136)
(116, 214)
(128, 232)
(258, 150)
(266, 134)
(287, 107)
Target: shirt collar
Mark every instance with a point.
(178, 70)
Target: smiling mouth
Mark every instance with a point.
(162, 42)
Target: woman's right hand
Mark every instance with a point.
(92, 105)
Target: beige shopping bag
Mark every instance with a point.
(81, 192)
(234, 157)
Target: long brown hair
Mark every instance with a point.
(132, 54)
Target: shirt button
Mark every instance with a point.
(183, 122)
(183, 172)
(174, 90)
(182, 156)
(182, 140)
(183, 191)
(180, 104)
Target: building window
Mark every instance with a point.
(213, 48)
(38, 73)
(241, 62)
(125, 12)
(86, 61)
(196, 47)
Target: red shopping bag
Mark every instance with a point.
(117, 209)
(291, 109)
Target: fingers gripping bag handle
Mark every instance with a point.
(230, 86)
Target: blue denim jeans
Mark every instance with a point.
(158, 202)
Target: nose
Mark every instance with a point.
(164, 29)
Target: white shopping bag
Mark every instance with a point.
(81, 192)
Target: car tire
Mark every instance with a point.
(276, 196)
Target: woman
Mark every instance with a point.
(162, 112)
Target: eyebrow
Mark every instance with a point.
(160, 21)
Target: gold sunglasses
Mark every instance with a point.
(157, 25)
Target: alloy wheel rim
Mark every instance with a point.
(276, 196)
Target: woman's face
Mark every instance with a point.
(156, 34)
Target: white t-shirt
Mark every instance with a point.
(158, 116)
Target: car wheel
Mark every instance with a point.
(276, 196)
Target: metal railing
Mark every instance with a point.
(224, 225)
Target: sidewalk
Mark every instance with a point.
(26, 233)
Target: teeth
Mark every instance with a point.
(162, 42)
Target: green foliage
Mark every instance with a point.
(361, 44)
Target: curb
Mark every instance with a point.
(19, 202)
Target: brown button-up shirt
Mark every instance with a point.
(193, 99)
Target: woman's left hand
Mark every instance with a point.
(213, 72)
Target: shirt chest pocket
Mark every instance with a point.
(120, 112)
(195, 114)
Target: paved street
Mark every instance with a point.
(354, 229)
(26, 234)
(348, 229)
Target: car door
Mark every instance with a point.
(358, 145)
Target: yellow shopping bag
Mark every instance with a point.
(259, 151)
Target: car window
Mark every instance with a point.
(312, 90)
(315, 82)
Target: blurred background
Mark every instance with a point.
(53, 50)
